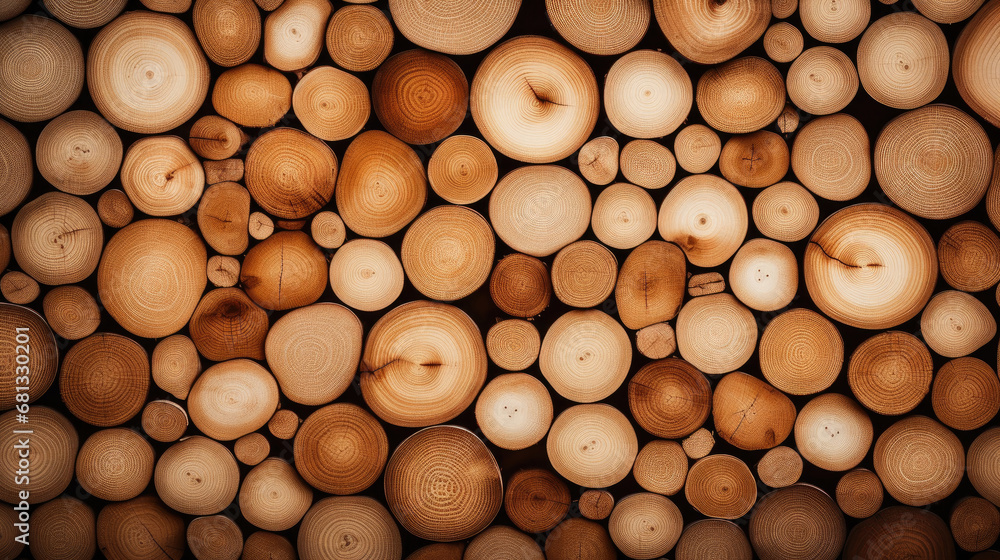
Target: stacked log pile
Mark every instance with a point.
(561, 280)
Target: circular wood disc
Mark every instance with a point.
(859, 493)
(706, 216)
(698, 444)
(349, 527)
(273, 497)
(162, 176)
(72, 313)
(160, 92)
(713, 538)
(17, 287)
(599, 28)
(43, 359)
(197, 476)
(708, 32)
(115, 209)
(229, 31)
(742, 95)
(419, 96)
(764, 275)
(520, 285)
(447, 252)
(539, 209)
(176, 364)
(596, 504)
(216, 537)
(870, 266)
(585, 355)
(500, 542)
(252, 448)
(41, 69)
(584, 273)
(984, 472)
(834, 21)
(919, 461)
(975, 523)
(223, 272)
(443, 484)
(788, 120)
(661, 467)
(359, 38)
(901, 532)
(53, 445)
(761, 414)
(645, 525)
(115, 464)
(66, 530)
(833, 432)
(966, 393)
(536, 500)
(947, 11)
(232, 399)
(454, 26)
(697, 148)
(83, 14)
(831, 157)
(533, 99)
(331, 104)
(462, 169)
(284, 424)
(716, 333)
(382, 185)
(164, 420)
(57, 238)
(140, 528)
(624, 216)
(284, 271)
(294, 33)
(263, 545)
(720, 486)
(514, 411)
(366, 274)
(903, 60)
(598, 161)
(969, 256)
(579, 539)
(314, 352)
(513, 344)
(648, 163)
(974, 51)
(650, 285)
(252, 95)
(17, 172)
(755, 160)
(593, 445)
(822, 80)
(227, 324)
(780, 467)
(78, 152)
(669, 398)
(801, 352)
(289, 173)
(328, 230)
(956, 324)
(934, 162)
(104, 379)
(783, 42)
(647, 94)
(891, 372)
(151, 276)
(423, 364)
(800, 521)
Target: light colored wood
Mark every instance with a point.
(788, 121)
(698, 444)
(213, 137)
(221, 171)
(140, 528)
(71, 312)
(216, 537)
(585, 355)
(175, 365)
(598, 28)
(252, 448)
(584, 273)
(596, 504)
(648, 163)
(290, 174)
(454, 26)
(273, 497)
(969, 256)
(447, 252)
(162, 176)
(158, 95)
(623, 216)
(164, 420)
(427, 474)
(462, 169)
(104, 379)
(115, 209)
(520, 285)
(18, 172)
(891, 372)
(972, 53)
(533, 99)
(196, 476)
(833, 432)
(801, 352)
(536, 500)
(832, 21)
(650, 285)
(57, 238)
(285, 271)
(598, 160)
(229, 30)
(328, 230)
(706, 217)
(713, 538)
(54, 443)
(115, 464)
(369, 529)
(223, 272)
(798, 520)
(783, 42)
(400, 96)
(224, 217)
(17, 287)
(919, 461)
(755, 160)
(366, 274)
(750, 414)
(822, 80)
(956, 324)
(975, 523)
(81, 13)
(903, 60)
(831, 157)
(283, 424)
(647, 94)
(656, 341)
(294, 33)
(593, 445)
(65, 530)
(716, 333)
(500, 541)
(78, 152)
(711, 33)
(645, 525)
(42, 71)
(785, 212)
(859, 493)
(742, 95)
(232, 399)
(764, 275)
(697, 148)
(513, 344)
(942, 11)
(252, 95)
(359, 38)
(260, 226)
(720, 486)
(669, 398)
(706, 284)
(966, 394)
(168, 6)
(661, 467)
(984, 473)
(780, 467)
